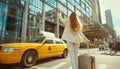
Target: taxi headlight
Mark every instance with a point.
(10, 49)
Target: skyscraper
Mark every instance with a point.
(109, 20)
(96, 12)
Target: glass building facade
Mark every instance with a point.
(41, 16)
(10, 19)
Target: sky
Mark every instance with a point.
(115, 10)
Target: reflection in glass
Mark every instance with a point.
(83, 6)
(88, 12)
(63, 9)
(78, 6)
(69, 12)
(52, 2)
(63, 1)
(35, 18)
(70, 6)
(49, 13)
(71, 1)
(78, 12)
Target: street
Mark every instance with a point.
(38, 29)
(103, 61)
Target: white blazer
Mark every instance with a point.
(67, 34)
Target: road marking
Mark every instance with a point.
(58, 65)
(37, 67)
(54, 67)
(102, 66)
(70, 67)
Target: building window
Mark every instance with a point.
(39, 4)
(70, 6)
(34, 10)
(63, 1)
(83, 0)
(63, 9)
(88, 10)
(78, 6)
(3, 23)
(89, 2)
(23, 2)
(35, 7)
(36, 3)
(35, 18)
(71, 1)
(69, 12)
(80, 2)
(47, 8)
(49, 13)
(78, 12)
(77, 1)
(53, 2)
(83, 6)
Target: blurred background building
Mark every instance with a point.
(109, 23)
(109, 20)
(22, 19)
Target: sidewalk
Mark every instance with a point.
(106, 61)
(103, 61)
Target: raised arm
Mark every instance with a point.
(63, 20)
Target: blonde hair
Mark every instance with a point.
(75, 23)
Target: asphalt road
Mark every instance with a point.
(103, 61)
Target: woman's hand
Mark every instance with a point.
(88, 42)
(58, 10)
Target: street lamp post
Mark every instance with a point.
(43, 16)
(57, 30)
(25, 20)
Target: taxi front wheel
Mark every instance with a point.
(29, 58)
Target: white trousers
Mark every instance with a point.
(73, 51)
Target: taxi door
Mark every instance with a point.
(46, 49)
(58, 46)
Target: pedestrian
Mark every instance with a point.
(72, 35)
(117, 45)
(111, 45)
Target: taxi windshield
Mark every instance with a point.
(36, 39)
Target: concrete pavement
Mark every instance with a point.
(103, 61)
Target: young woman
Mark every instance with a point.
(72, 35)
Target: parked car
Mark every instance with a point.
(32, 50)
(102, 46)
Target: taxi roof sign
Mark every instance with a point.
(47, 34)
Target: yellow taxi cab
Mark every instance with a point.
(29, 52)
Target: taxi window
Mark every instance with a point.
(36, 39)
(49, 41)
(58, 41)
